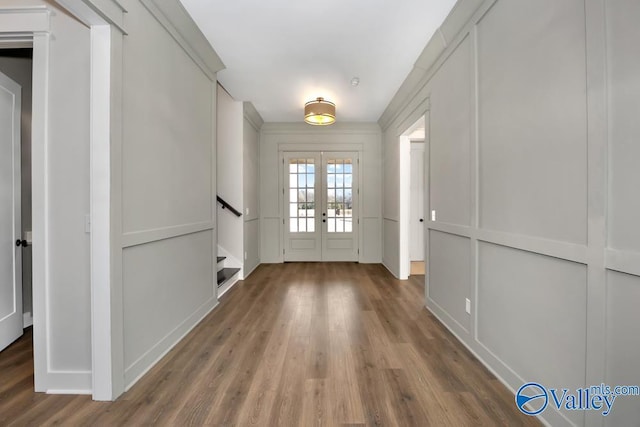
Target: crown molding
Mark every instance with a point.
(177, 21)
(252, 115)
(458, 23)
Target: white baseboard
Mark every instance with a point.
(251, 271)
(66, 382)
(390, 270)
(488, 365)
(228, 285)
(148, 360)
(84, 392)
(27, 319)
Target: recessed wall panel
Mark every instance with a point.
(532, 119)
(623, 33)
(450, 138)
(623, 345)
(164, 282)
(167, 116)
(532, 314)
(449, 266)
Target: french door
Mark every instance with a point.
(320, 206)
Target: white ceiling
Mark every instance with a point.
(281, 53)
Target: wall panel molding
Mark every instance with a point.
(148, 236)
(594, 237)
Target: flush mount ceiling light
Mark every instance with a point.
(320, 112)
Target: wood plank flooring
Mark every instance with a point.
(300, 344)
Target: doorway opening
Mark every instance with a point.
(16, 302)
(413, 198)
(320, 206)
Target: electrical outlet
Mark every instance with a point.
(467, 305)
(246, 211)
(433, 215)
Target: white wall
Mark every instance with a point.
(69, 321)
(533, 175)
(230, 176)
(302, 137)
(167, 175)
(251, 187)
(19, 69)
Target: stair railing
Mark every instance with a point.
(226, 205)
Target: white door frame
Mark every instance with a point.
(404, 147)
(320, 236)
(316, 147)
(24, 27)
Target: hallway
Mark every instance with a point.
(295, 344)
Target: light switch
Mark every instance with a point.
(433, 215)
(468, 305)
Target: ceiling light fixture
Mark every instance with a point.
(355, 81)
(320, 112)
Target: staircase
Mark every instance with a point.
(229, 263)
(227, 277)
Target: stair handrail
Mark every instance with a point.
(228, 206)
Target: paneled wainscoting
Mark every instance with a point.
(297, 344)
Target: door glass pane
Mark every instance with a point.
(339, 196)
(301, 195)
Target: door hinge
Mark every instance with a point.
(282, 221)
(358, 251)
(358, 220)
(282, 251)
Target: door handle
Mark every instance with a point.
(22, 243)
(324, 220)
(421, 219)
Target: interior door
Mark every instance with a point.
(10, 254)
(301, 220)
(339, 206)
(416, 221)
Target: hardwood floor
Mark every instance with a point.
(299, 344)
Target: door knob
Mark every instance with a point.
(21, 243)
(324, 220)
(421, 219)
